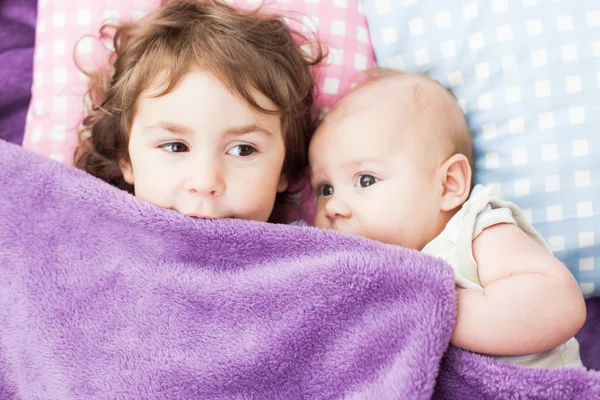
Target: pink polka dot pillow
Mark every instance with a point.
(56, 107)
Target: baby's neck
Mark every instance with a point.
(442, 222)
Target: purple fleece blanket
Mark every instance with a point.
(17, 34)
(103, 296)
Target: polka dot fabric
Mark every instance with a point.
(56, 107)
(527, 75)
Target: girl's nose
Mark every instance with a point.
(205, 178)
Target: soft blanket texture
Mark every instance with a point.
(17, 33)
(103, 296)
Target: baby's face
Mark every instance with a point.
(371, 180)
(204, 152)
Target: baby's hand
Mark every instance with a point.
(530, 303)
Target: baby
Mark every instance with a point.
(205, 109)
(393, 162)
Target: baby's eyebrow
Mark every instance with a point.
(363, 161)
(315, 172)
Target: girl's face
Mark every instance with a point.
(204, 152)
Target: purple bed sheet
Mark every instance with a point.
(17, 36)
(589, 336)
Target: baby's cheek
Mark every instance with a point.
(383, 227)
(320, 220)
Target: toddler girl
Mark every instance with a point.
(204, 109)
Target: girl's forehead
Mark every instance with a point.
(200, 102)
(201, 84)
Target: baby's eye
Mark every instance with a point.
(242, 150)
(325, 190)
(366, 180)
(175, 147)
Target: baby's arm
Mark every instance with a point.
(530, 303)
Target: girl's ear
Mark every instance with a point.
(456, 182)
(283, 183)
(127, 171)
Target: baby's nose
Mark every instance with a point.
(336, 207)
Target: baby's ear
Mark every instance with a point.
(456, 181)
(127, 171)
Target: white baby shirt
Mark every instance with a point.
(484, 208)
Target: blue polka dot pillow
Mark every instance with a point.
(527, 75)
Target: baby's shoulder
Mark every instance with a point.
(484, 207)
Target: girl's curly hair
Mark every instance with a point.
(244, 49)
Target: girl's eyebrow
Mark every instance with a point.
(177, 129)
(183, 130)
(242, 130)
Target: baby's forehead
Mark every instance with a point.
(402, 100)
(402, 91)
(408, 110)
(399, 100)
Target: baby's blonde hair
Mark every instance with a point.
(453, 139)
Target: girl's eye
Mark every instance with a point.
(325, 190)
(366, 180)
(242, 150)
(175, 147)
